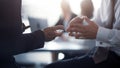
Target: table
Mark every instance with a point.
(56, 46)
(61, 46)
(66, 46)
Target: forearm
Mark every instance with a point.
(110, 36)
(22, 43)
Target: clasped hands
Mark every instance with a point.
(76, 28)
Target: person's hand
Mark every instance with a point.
(79, 30)
(52, 32)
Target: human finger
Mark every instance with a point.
(59, 27)
(72, 27)
(58, 33)
(72, 33)
(76, 20)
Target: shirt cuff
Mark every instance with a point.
(103, 34)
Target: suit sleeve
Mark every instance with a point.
(21, 43)
(12, 41)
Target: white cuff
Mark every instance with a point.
(103, 34)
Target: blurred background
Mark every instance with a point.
(49, 10)
(39, 14)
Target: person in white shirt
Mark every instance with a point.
(105, 28)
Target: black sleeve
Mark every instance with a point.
(21, 43)
(12, 41)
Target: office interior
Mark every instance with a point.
(39, 14)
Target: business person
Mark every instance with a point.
(12, 41)
(105, 28)
(64, 20)
(66, 15)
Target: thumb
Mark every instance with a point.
(88, 21)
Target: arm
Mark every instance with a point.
(12, 41)
(104, 34)
(110, 36)
(21, 43)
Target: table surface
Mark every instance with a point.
(67, 44)
(57, 45)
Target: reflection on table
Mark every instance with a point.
(52, 48)
(67, 44)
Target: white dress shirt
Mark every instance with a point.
(109, 37)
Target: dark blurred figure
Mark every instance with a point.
(12, 40)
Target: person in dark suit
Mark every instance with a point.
(12, 41)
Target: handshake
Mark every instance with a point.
(79, 27)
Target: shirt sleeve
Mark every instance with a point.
(110, 36)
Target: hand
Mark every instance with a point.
(51, 32)
(83, 31)
(73, 22)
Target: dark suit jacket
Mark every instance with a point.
(12, 41)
